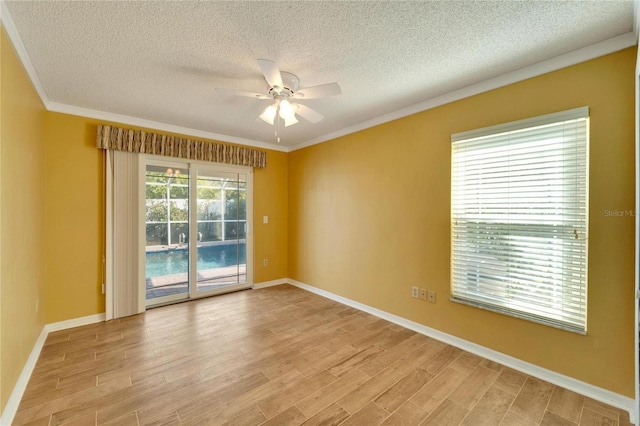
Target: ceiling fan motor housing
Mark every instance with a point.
(290, 82)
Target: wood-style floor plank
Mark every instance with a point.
(407, 415)
(447, 413)
(566, 404)
(438, 389)
(281, 356)
(473, 387)
(490, 409)
(278, 402)
(326, 396)
(392, 398)
(370, 414)
(533, 399)
(333, 415)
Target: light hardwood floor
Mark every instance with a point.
(281, 356)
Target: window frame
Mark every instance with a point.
(501, 303)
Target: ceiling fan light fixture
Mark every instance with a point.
(269, 114)
(290, 121)
(286, 110)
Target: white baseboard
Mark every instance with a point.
(75, 322)
(597, 393)
(11, 408)
(271, 283)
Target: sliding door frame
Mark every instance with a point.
(142, 255)
(636, 334)
(194, 168)
(193, 230)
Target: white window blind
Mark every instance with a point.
(519, 219)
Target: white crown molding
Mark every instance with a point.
(11, 408)
(156, 125)
(16, 41)
(597, 393)
(636, 18)
(572, 58)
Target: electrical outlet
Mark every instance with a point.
(414, 292)
(265, 219)
(265, 262)
(423, 294)
(432, 297)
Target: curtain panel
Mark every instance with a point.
(141, 142)
(124, 295)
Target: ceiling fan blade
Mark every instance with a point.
(308, 113)
(271, 72)
(329, 89)
(233, 92)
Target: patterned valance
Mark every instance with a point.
(141, 142)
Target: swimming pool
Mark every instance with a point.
(176, 261)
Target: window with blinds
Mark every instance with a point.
(519, 219)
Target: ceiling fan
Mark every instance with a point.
(283, 87)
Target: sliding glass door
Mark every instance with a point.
(221, 229)
(167, 227)
(197, 242)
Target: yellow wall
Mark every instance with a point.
(74, 231)
(74, 234)
(22, 211)
(370, 218)
(271, 197)
(365, 216)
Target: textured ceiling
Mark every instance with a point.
(161, 61)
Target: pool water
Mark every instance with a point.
(176, 261)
